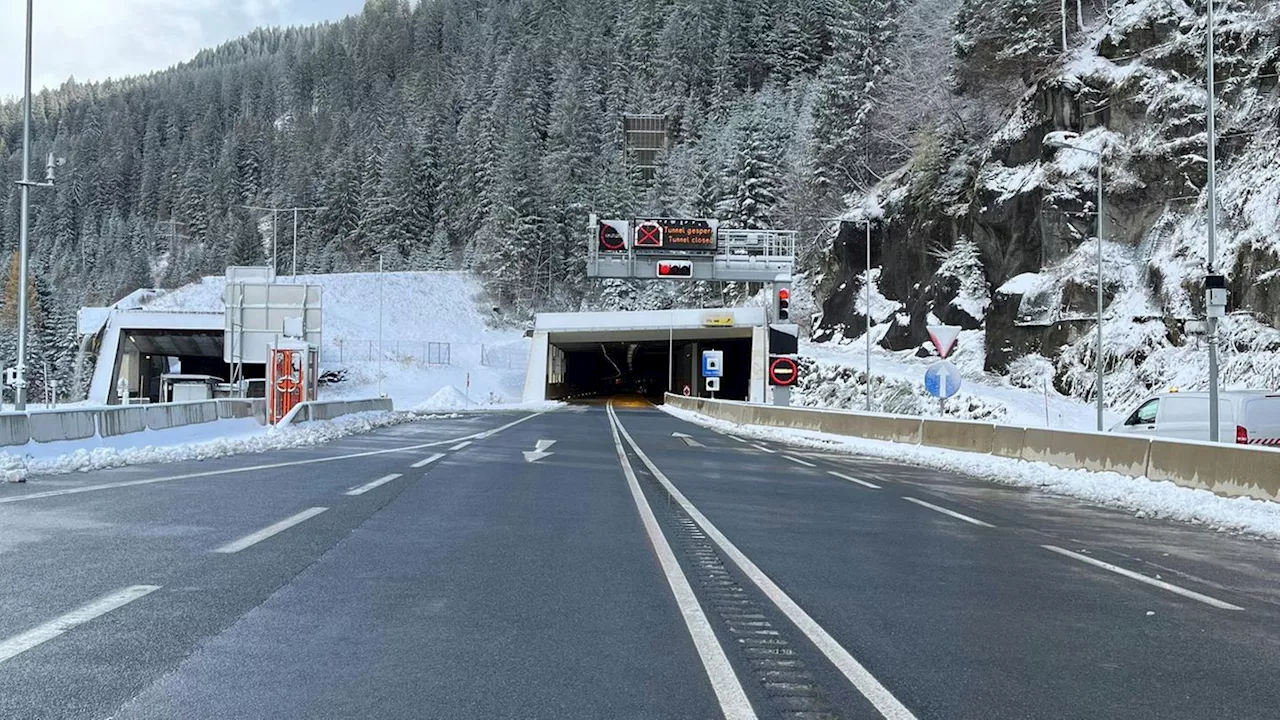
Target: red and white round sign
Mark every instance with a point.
(687, 390)
(783, 371)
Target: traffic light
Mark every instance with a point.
(784, 304)
(675, 269)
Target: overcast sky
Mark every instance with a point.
(97, 39)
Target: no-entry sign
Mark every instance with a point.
(783, 371)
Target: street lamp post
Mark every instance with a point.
(1210, 260)
(1064, 140)
(26, 183)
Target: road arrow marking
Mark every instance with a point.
(539, 451)
(688, 439)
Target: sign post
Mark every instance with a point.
(942, 379)
(713, 369)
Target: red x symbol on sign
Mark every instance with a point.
(649, 236)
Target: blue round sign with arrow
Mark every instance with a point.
(942, 379)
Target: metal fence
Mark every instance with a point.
(511, 355)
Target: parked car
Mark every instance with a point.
(1244, 417)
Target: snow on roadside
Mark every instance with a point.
(1145, 498)
(92, 455)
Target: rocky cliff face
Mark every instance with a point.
(998, 232)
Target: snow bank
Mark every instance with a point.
(1141, 496)
(195, 442)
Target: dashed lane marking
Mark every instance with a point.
(852, 479)
(371, 485)
(1199, 597)
(273, 529)
(19, 644)
(950, 513)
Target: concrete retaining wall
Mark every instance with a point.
(1229, 470)
(58, 425)
(122, 420)
(169, 415)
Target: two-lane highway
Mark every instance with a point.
(612, 562)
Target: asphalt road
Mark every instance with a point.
(448, 569)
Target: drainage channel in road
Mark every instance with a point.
(759, 642)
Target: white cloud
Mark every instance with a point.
(97, 39)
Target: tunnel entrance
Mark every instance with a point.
(581, 356)
(652, 368)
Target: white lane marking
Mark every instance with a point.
(733, 700)
(427, 460)
(866, 683)
(543, 445)
(733, 437)
(371, 485)
(951, 513)
(19, 644)
(460, 445)
(256, 468)
(761, 447)
(266, 532)
(798, 461)
(852, 479)
(1144, 579)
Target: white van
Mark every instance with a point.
(1244, 417)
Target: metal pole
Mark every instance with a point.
(1101, 403)
(20, 401)
(293, 273)
(671, 351)
(1213, 227)
(867, 282)
(380, 326)
(275, 265)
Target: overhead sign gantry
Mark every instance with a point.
(687, 249)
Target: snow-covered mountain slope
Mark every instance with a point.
(434, 330)
(1133, 87)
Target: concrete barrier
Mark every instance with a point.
(1231, 470)
(1007, 441)
(229, 408)
(1125, 454)
(330, 409)
(1228, 470)
(958, 435)
(122, 420)
(59, 425)
(14, 429)
(169, 415)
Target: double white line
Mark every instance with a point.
(728, 689)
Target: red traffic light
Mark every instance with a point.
(784, 294)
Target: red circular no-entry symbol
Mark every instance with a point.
(610, 238)
(783, 371)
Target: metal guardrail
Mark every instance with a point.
(1227, 470)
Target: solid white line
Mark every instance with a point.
(851, 479)
(761, 447)
(1144, 579)
(733, 700)
(21, 643)
(798, 461)
(951, 513)
(879, 696)
(427, 460)
(268, 531)
(460, 445)
(376, 483)
(256, 468)
(734, 437)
